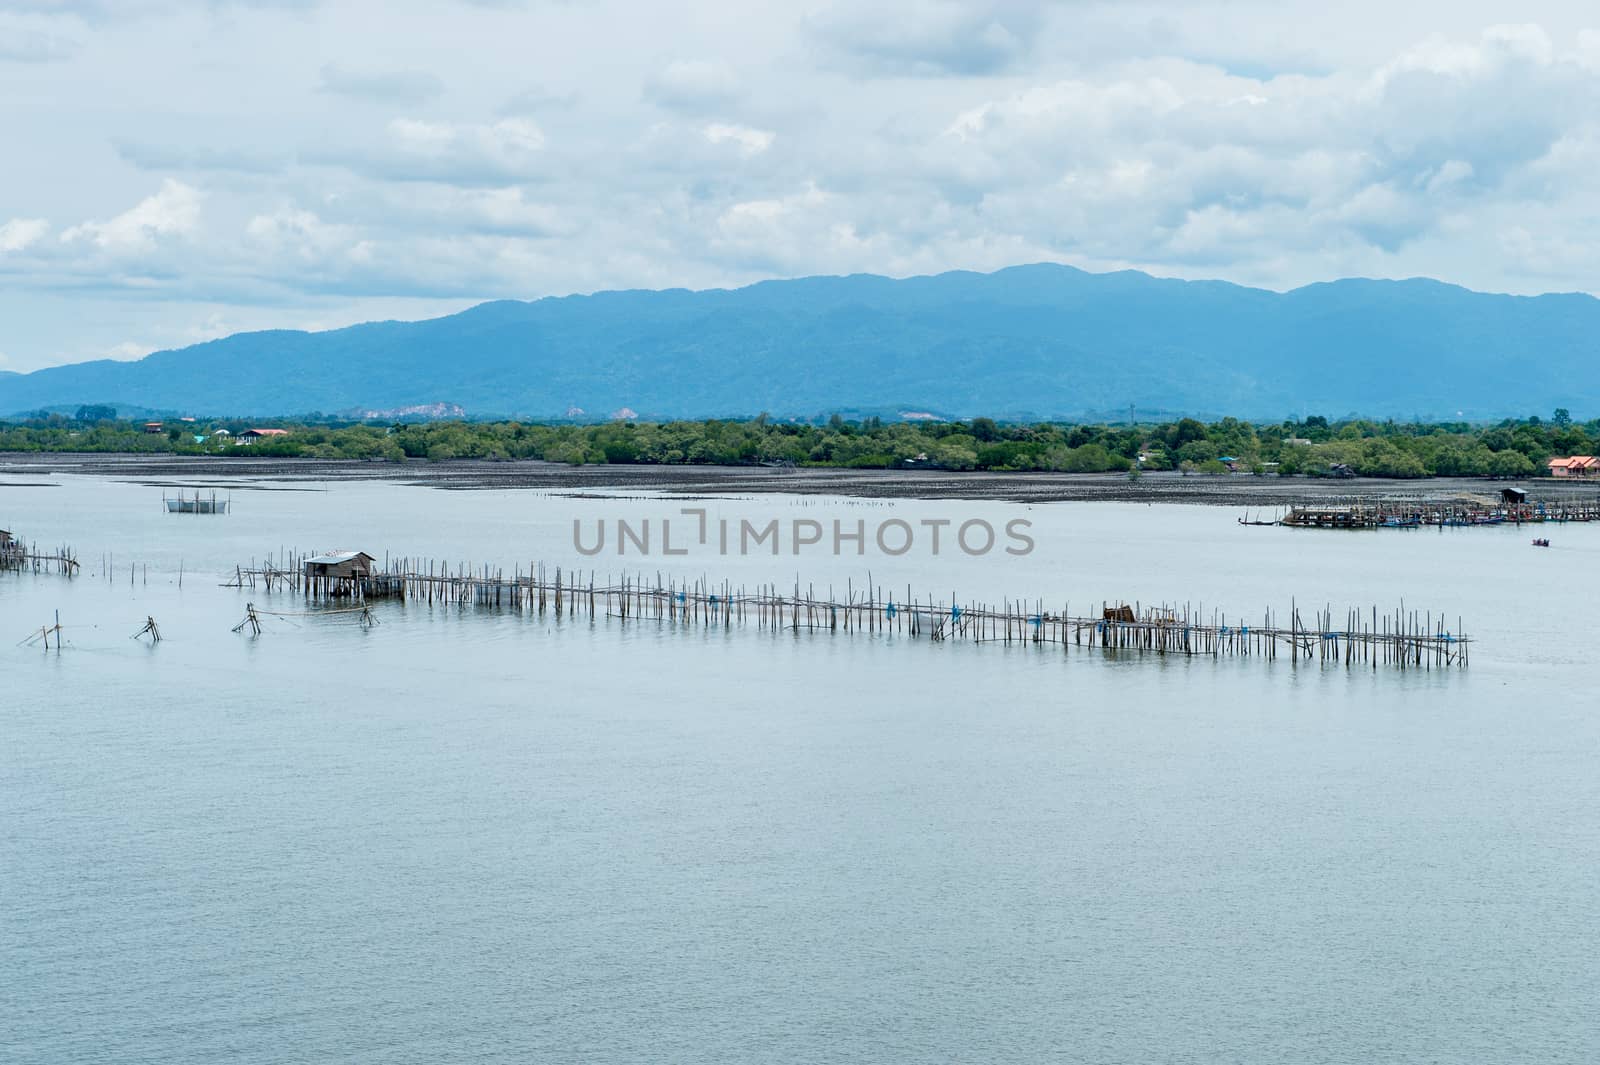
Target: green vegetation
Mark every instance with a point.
(1313, 446)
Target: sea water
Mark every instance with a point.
(477, 835)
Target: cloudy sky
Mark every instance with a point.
(173, 171)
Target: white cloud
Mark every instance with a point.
(1495, 48)
(391, 86)
(461, 153)
(509, 140)
(750, 141)
(174, 211)
(770, 230)
(705, 144)
(432, 208)
(534, 100)
(930, 37)
(128, 351)
(18, 233)
(693, 85)
(186, 155)
(496, 210)
(1450, 173)
(299, 233)
(21, 42)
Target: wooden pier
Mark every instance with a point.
(1402, 638)
(1443, 514)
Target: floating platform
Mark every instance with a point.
(196, 504)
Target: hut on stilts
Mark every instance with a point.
(338, 574)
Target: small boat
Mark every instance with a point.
(1541, 542)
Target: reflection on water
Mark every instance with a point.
(474, 835)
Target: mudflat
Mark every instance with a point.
(1024, 487)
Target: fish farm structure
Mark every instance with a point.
(1401, 638)
(196, 504)
(1401, 514)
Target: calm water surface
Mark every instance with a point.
(475, 836)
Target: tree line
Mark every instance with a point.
(1312, 446)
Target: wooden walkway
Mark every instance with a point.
(1400, 638)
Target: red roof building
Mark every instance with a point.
(1575, 466)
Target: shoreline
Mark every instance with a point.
(1245, 490)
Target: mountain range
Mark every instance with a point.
(1043, 340)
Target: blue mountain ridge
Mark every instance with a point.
(1042, 340)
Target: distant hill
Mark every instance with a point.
(1042, 341)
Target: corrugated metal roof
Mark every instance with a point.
(333, 558)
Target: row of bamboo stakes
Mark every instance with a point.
(19, 557)
(1402, 638)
